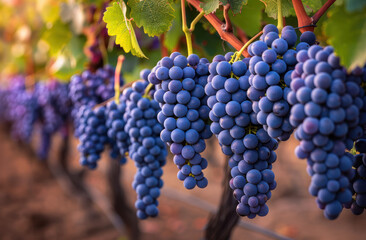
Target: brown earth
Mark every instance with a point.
(34, 206)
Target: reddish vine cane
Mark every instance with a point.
(304, 20)
(217, 24)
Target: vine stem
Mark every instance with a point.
(279, 15)
(112, 98)
(302, 18)
(188, 31)
(164, 50)
(321, 11)
(117, 77)
(147, 90)
(228, 25)
(217, 24)
(246, 45)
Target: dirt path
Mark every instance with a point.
(33, 205)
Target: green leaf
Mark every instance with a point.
(311, 5)
(271, 8)
(155, 16)
(175, 33)
(250, 18)
(355, 5)
(71, 60)
(347, 34)
(235, 5)
(57, 37)
(49, 10)
(209, 6)
(119, 26)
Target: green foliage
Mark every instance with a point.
(287, 7)
(57, 37)
(118, 25)
(71, 60)
(250, 18)
(355, 5)
(347, 34)
(271, 8)
(210, 6)
(49, 10)
(175, 33)
(235, 5)
(312, 5)
(155, 16)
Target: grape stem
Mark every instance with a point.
(188, 31)
(246, 45)
(302, 18)
(217, 24)
(112, 98)
(117, 76)
(164, 50)
(321, 11)
(279, 15)
(147, 90)
(227, 26)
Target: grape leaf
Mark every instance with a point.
(57, 37)
(174, 34)
(155, 16)
(271, 8)
(210, 6)
(71, 60)
(347, 34)
(250, 18)
(119, 26)
(312, 6)
(355, 5)
(235, 5)
(48, 10)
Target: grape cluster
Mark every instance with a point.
(54, 109)
(22, 109)
(359, 179)
(93, 135)
(117, 116)
(273, 59)
(115, 125)
(326, 106)
(241, 137)
(180, 83)
(90, 89)
(146, 149)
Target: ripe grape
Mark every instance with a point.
(180, 84)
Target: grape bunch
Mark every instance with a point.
(273, 59)
(116, 122)
(54, 109)
(115, 125)
(241, 137)
(359, 179)
(93, 135)
(146, 149)
(22, 109)
(326, 111)
(90, 89)
(180, 83)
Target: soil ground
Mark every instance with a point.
(34, 206)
